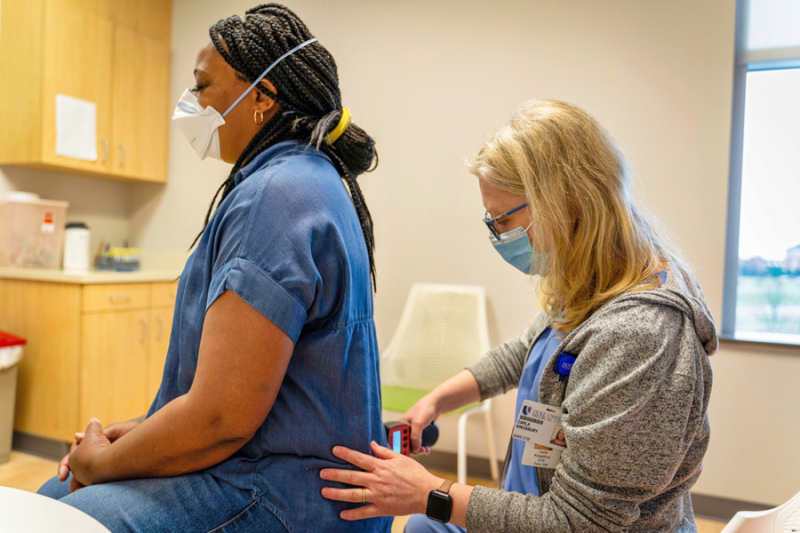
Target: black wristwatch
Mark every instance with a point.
(440, 503)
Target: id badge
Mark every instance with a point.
(539, 426)
(541, 456)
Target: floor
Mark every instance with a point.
(28, 472)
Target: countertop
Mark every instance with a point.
(88, 278)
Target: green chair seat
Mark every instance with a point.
(401, 399)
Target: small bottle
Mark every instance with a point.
(76, 247)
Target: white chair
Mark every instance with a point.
(23, 512)
(442, 330)
(783, 519)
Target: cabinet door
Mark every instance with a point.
(140, 107)
(152, 18)
(161, 319)
(77, 63)
(114, 355)
(48, 316)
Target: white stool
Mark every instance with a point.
(25, 512)
(782, 519)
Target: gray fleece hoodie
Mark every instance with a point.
(634, 417)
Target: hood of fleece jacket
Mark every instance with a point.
(684, 294)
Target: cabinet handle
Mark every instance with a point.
(105, 151)
(121, 155)
(119, 298)
(144, 330)
(160, 322)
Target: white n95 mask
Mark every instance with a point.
(201, 126)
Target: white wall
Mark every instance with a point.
(430, 80)
(102, 204)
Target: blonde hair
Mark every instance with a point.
(578, 185)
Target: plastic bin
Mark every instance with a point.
(31, 231)
(10, 356)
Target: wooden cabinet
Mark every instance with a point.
(48, 316)
(161, 322)
(140, 107)
(114, 353)
(151, 18)
(93, 350)
(163, 304)
(113, 53)
(77, 67)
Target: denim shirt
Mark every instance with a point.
(287, 241)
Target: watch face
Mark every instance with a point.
(439, 505)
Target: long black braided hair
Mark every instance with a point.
(308, 93)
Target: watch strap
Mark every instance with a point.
(446, 486)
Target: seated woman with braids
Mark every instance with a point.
(273, 355)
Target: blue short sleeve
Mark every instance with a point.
(283, 241)
(261, 292)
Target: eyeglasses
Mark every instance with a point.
(490, 222)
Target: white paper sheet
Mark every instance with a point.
(76, 128)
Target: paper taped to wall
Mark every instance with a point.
(76, 128)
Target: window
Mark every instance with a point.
(762, 278)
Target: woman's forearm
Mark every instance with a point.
(458, 391)
(178, 439)
(242, 362)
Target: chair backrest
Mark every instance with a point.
(442, 330)
(782, 519)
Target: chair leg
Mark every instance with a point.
(490, 443)
(462, 448)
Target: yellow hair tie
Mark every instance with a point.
(340, 128)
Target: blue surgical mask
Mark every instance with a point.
(515, 247)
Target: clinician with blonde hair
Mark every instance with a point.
(619, 352)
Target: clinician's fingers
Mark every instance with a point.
(366, 511)
(423, 450)
(382, 452)
(364, 462)
(416, 437)
(351, 477)
(347, 495)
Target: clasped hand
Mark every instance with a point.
(85, 452)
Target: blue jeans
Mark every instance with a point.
(192, 503)
(420, 523)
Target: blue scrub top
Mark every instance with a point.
(287, 241)
(519, 477)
